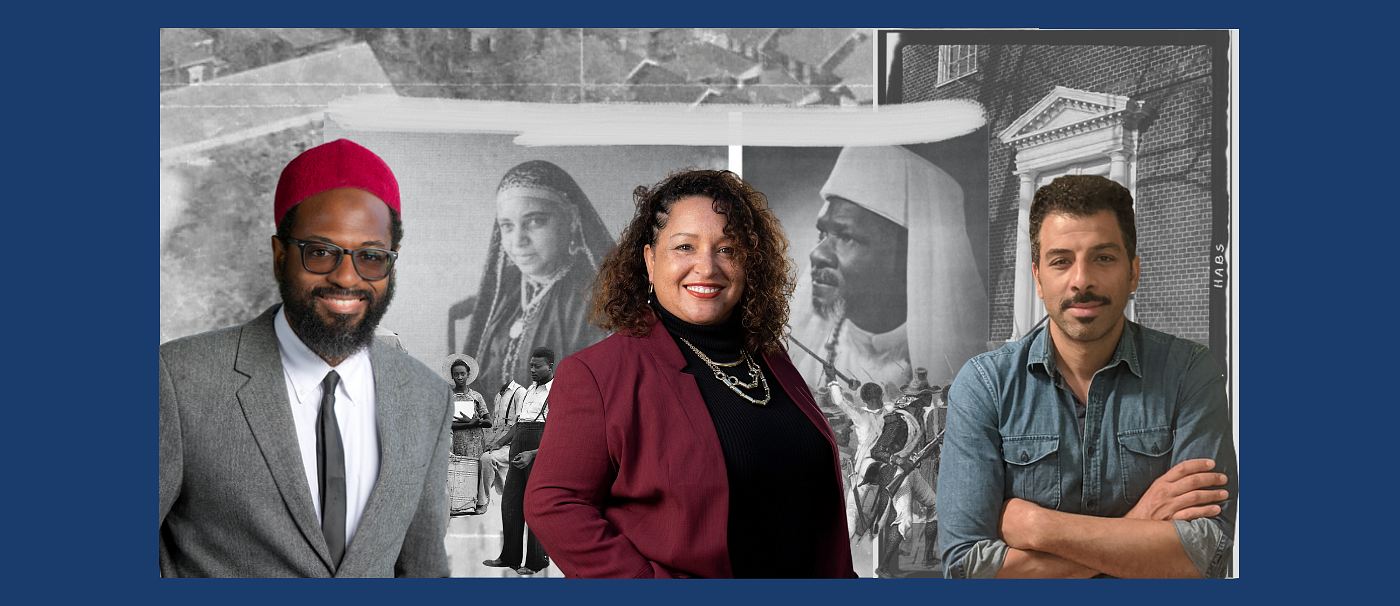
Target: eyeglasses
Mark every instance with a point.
(321, 258)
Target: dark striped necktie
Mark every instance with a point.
(330, 469)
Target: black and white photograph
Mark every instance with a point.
(1148, 111)
(237, 104)
(891, 247)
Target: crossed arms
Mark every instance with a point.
(1181, 526)
(1043, 543)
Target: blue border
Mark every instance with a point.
(96, 478)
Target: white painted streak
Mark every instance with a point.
(546, 124)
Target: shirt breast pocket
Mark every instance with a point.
(1143, 456)
(1033, 468)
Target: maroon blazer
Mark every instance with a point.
(630, 479)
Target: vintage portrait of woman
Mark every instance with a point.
(545, 248)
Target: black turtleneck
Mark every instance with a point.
(781, 475)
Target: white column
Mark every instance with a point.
(1118, 167)
(1025, 301)
(1118, 172)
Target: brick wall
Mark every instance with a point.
(1173, 165)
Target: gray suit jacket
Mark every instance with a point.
(234, 498)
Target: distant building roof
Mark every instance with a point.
(696, 60)
(856, 71)
(777, 87)
(305, 37)
(266, 95)
(812, 46)
(718, 97)
(183, 46)
(651, 72)
(749, 35)
(605, 64)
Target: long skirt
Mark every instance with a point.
(463, 469)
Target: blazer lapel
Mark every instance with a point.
(269, 413)
(672, 362)
(392, 421)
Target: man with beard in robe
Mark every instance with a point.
(298, 444)
(893, 282)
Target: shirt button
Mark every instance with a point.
(1025, 457)
(1091, 450)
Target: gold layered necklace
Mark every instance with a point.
(756, 377)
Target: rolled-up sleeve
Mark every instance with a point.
(1204, 430)
(971, 479)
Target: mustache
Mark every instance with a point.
(326, 291)
(1083, 297)
(826, 275)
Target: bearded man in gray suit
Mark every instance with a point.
(298, 444)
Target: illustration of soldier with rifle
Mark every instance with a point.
(893, 487)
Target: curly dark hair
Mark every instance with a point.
(620, 290)
(1082, 196)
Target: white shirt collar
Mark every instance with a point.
(306, 370)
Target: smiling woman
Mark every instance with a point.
(686, 444)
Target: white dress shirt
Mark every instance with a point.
(355, 412)
(535, 399)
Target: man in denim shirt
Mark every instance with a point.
(1093, 446)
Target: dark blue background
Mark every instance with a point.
(1315, 327)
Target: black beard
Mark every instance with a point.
(341, 337)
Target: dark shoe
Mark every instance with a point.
(524, 572)
(496, 563)
(480, 509)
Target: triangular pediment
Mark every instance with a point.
(1064, 108)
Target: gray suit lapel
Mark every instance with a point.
(269, 413)
(384, 500)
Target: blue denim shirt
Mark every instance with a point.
(1012, 432)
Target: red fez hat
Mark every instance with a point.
(340, 163)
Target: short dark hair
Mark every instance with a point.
(1083, 196)
(289, 222)
(871, 391)
(543, 352)
(462, 363)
